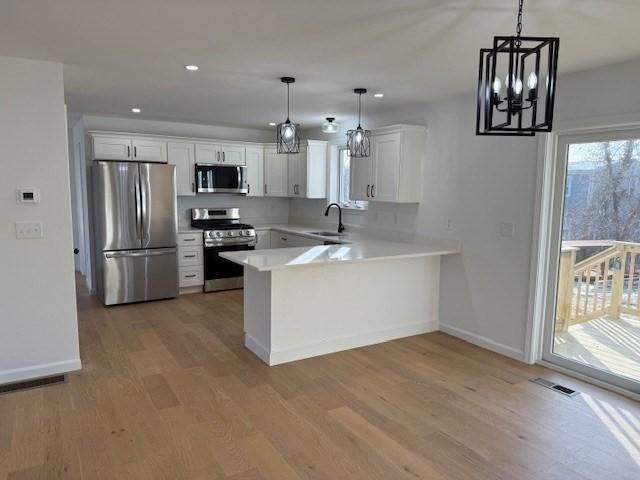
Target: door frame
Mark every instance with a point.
(545, 242)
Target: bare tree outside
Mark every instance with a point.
(602, 199)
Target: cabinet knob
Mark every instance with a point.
(368, 188)
(373, 191)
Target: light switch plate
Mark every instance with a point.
(506, 229)
(28, 230)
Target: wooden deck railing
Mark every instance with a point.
(603, 284)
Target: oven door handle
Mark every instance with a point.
(209, 243)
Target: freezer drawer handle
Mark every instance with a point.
(139, 254)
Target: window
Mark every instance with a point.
(344, 182)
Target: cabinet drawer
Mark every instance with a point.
(189, 239)
(190, 276)
(190, 256)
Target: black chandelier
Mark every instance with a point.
(525, 108)
(288, 133)
(359, 140)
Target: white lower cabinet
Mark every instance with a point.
(263, 239)
(190, 261)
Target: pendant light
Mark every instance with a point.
(359, 140)
(529, 66)
(330, 125)
(288, 133)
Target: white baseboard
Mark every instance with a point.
(338, 344)
(39, 371)
(484, 342)
(256, 347)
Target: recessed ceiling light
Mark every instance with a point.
(272, 124)
(192, 68)
(378, 95)
(135, 110)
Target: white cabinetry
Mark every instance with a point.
(307, 171)
(182, 155)
(148, 150)
(190, 261)
(224, 154)
(393, 173)
(232, 154)
(255, 171)
(207, 153)
(263, 239)
(112, 148)
(275, 173)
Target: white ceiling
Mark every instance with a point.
(123, 53)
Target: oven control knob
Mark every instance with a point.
(247, 233)
(218, 234)
(230, 233)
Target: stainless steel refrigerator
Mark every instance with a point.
(136, 220)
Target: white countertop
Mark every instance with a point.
(356, 247)
(189, 229)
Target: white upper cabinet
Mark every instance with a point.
(112, 148)
(146, 150)
(182, 155)
(220, 154)
(255, 171)
(308, 170)
(207, 153)
(360, 179)
(138, 149)
(385, 154)
(275, 173)
(393, 172)
(232, 154)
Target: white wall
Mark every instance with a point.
(479, 182)
(38, 321)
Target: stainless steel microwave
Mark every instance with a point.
(211, 178)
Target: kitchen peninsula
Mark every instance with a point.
(307, 301)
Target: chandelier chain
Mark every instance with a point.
(519, 24)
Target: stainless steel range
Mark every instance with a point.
(223, 232)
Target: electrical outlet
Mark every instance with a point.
(28, 230)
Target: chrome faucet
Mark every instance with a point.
(326, 214)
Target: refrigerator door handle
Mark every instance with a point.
(138, 206)
(135, 253)
(143, 212)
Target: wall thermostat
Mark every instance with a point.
(28, 195)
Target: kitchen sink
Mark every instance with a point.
(328, 234)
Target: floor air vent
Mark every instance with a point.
(554, 386)
(40, 382)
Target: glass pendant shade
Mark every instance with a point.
(330, 125)
(288, 133)
(523, 103)
(359, 140)
(288, 137)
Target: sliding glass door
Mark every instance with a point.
(593, 318)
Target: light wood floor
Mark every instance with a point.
(169, 392)
(610, 344)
